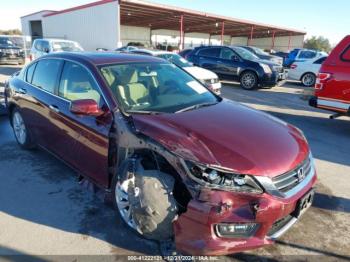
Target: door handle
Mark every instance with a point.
(22, 91)
(54, 108)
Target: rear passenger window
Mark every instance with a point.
(30, 71)
(320, 61)
(77, 83)
(46, 74)
(307, 54)
(345, 56)
(210, 52)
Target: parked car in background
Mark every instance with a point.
(332, 89)
(185, 52)
(126, 48)
(178, 161)
(238, 64)
(208, 78)
(45, 46)
(299, 55)
(263, 55)
(306, 71)
(9, 52)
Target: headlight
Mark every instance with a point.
(223, 180)
(266, 68)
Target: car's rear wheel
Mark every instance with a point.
(249, 80)
(145, 201)
(308, 79)
(22, 134)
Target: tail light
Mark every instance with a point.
(31, 57)
(322, 78)
(293, 66)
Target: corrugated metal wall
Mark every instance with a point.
(93, 27)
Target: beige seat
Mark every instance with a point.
(130, 89)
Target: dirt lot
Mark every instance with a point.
(44, 211)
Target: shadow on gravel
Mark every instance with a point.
(332, 203)
(39, 188)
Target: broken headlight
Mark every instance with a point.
(222, 179)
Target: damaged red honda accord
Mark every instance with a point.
(180, 162)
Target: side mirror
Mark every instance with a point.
(235, 58)
(46, 50)
(85, 107)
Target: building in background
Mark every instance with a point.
(111, 23)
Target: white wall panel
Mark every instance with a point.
(92, 27)
(135, 34)
(281, 43)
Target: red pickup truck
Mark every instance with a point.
(332, 89)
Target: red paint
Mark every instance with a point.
(333, 81)
(289, 41)
(87, 107)
(251, 36)
(222, 32)
(182, 34)
(227, 134)
(258, 145)
(76, 8)
(273, 39)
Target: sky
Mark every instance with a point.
(317, 17)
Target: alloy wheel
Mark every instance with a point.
(308, 80)
(19, 128)
(248, 80)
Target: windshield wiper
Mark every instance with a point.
(193, 107)
(143, 112)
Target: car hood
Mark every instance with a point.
(229, 135)
(200, 73)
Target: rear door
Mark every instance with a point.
(89, 134)
(208, 58)
(43, 77)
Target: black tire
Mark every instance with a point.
(151, 202)
(308, 79)
(249, 80)
(27, 141)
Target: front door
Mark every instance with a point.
(90, 133)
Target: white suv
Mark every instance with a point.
(42, 47)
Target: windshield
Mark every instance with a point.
(245, 54)
(6, 41)
(175, 59)
(66, 46)
(259, 51)
(155, 87)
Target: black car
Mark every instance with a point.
(9, 52)
(238, 64)
(263, 55)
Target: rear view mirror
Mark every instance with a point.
(46, 50)
(85, 107)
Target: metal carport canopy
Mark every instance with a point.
(159, 16)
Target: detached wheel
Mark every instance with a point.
(145, 201)
(308, 79)
(22, 134)
(249, 80)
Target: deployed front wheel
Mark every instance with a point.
(145, 201)
(308, 79)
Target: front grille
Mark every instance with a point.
(279, 224)
(291, 179)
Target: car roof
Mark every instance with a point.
(101, 58)
(152, 52)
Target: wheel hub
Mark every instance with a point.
(19, 128)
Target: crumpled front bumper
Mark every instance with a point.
(195, 230)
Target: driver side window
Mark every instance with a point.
(226, 53)
(77, 83)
